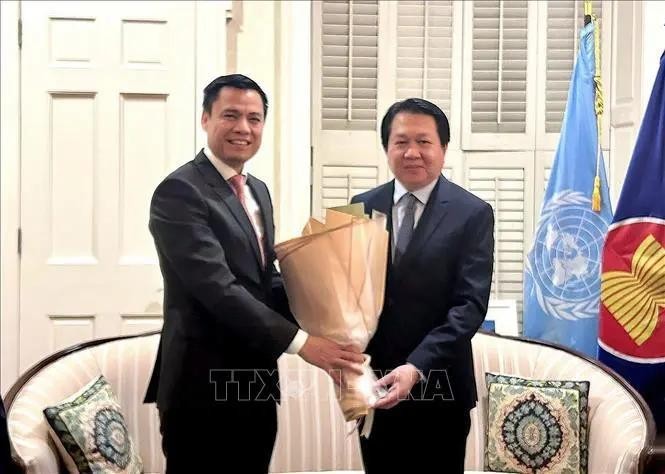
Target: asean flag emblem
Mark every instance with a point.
(632, 312)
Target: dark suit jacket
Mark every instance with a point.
(219, 301)
(437, 297)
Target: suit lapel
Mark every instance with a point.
(436, 209)
(228, 197)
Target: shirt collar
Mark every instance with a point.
(421, 194)
(225, 170)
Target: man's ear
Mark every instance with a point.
(204, 120)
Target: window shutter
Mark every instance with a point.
(504, 190)
(349, 64)
(346, 153)
(505, 181)
(564, 21)
(424, 51)
(341, 183)
(499, 66)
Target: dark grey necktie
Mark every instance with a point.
(406, 228)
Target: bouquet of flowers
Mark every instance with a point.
(334, 276)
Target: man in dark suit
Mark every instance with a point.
(226, 318)
(436, 298)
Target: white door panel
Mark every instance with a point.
(108, 108)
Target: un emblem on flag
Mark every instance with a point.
(564, 263)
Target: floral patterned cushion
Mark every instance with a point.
(90, 432)
(536, 426)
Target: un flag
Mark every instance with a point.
(563, 268)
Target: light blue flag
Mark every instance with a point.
(562, 272)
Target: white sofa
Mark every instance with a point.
(312, 435)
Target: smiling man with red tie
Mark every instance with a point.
(226, 318)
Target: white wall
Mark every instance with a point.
(624, 90)
(292, 169)
(257, 59)
(653, 45)
(273, 49)
(9, 193)
(638, 43)
(209, 18)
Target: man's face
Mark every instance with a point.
(234, 125)
(415, 154)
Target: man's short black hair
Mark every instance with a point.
(238, 81)
(415, 106)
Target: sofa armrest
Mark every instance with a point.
(16, 465)
(37, 457)
(618, 433)
(654, 462)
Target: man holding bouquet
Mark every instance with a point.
(226, 320)
(437, 292)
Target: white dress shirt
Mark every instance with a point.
(256, 219)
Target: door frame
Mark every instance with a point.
(10, 191)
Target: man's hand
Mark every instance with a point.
(399, 383)
(332, 357)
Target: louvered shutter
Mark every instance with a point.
(424, 62)
(500, 80)
(424, 51)
(498, 102)
(349, 64)
(561, 22)
(505, 181)
(340, 183)
(564, 20)
(346, 153)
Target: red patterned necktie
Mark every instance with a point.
(237, 183)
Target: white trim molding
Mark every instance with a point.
(293, 135)
(10, 175)
(653, 45)
(625, 87)
(210, 58)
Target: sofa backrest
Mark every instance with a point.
(308, 402)
(312, 434)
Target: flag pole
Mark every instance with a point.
(588, 8)
(598, 102)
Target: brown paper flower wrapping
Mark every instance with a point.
(334, 276)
